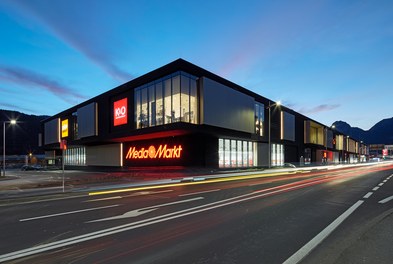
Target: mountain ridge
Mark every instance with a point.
(22, 138)
(380, 133)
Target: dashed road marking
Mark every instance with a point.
(307, 248)
(66, 213)
(368, 195)
(375, 188)
(386, 200)
(187, 194)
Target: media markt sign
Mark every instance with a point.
(162, 152)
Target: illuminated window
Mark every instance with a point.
(159, 105)
(259, 118)
(75, 156)
(168, 100)
(236, 153)
(277, 155)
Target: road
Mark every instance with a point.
(331, 216)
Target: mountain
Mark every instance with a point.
(22, 138)
(380, 133)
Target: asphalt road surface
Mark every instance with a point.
(332, 216)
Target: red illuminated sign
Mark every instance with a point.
(163, 152)
(385, 152)
(120, 112)
(63, 144)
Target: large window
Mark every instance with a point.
(168, 100)
(277, 155)
(259, 118)
(75, 156)
(236, 153)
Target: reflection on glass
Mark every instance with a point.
(159, 105)
(168, 100)
(259, 118)
(236, 153)
(221, 152)
(75, 156)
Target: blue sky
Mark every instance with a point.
(330, 60)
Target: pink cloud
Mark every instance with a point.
(26, 77)
(85, 33)
(318, 109)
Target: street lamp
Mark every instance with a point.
(12, 122)
(278, 103)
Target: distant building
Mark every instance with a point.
(183, 115)
(381, 151)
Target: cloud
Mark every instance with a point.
(26, 77)
(318, 109)
(13, 107)
(80, 26)
(271, 31)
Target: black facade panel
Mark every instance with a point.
(291, 154)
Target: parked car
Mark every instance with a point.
(32, 167)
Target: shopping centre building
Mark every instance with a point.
(183, 115)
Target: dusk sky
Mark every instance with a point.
(330, 60)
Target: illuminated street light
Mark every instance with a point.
(12, 122)
(278, 103)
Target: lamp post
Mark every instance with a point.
(326, 141)
(347, 147)
(12, 122)
(278, 103)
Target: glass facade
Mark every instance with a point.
(167, 100)
(259, 118)
(236, 153)
(75, 156)
(277, 155)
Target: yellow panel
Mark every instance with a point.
(64, 128)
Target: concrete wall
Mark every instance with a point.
(104, 155)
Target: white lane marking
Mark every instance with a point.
(384, 181)
(140, 211)
(307, 248)
(386, 200)
(146, 193)
(187, 194)
(375, 188)
(150, 221)
(133, 213)
(380, 184)
(103, 199)
(66, 213)
(46, 200)
(368, 195)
